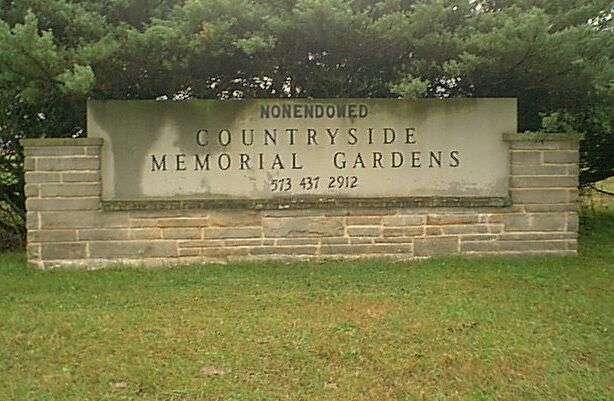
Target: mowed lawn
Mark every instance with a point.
(440, 329)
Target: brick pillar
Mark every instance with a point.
(62, 183)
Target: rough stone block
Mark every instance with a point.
(208, 243)
(70, 190)
(562, 157)
(549, 181)
(52, 235)
(284, 250)
(303, 227)
(516, 246)
(238, 218)
(364, 220)
(364, 231)
(334, 241)
(573, 222)
(66, 204)
(539, 169)
(35, 177)
(526, 157)
(83, 219)
(435, 246)
(366, 249)
(534, 222)
(33, 251)
(80, 176)
(445, 219)
(297, 241)
(29, 164)
(32, 220)
(245, 232)
(182, 233)
(31, 190)
(68, 163)
(403, 220)
(54, 151)
(183, 222)
(133, 249)
(540, 195)
(53, 251)
(466, 229)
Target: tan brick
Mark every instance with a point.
(403, 220)
(74, 250)
(562, 157)
(37, 177)
(366, 249)
(54, 151)
(32, 220)
(434, 230)
(548, 181)
(81, 176)
(32, 190)
(526, 157)
(234, 218)
(534, 222)
(364, 220)
(183, 222)
(83, 219)
(101, 234)
(70, 190)
(303, 227)
(52, 235)
(133, 249)
(296, 241)
(540, 195)
(444, 219)
(190, 252)
(539, 169)
(435, 246)
(44, 204)
(392, 232)
(334, 240)
(208, 243)
(245, 232)
(284, 250)
(364, 231)
(67, 163)
(182, 233)
(33, 251)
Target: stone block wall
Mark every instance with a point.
(67, 226)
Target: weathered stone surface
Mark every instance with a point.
(303, 227)
(551, 181)
(182, 233)
(80, 203)
(539, 169)
(561, 157)
(54, 151)
(35, 177)
(245, 232)
(403, 220)
(533, 222)
(74, 250)
(99, 234)
(83, 219)
(32, 220)
(67, 163)
(296, 241)
(540, 195)
(364, 231)
(32, 190)
(526, 157)
(284, 250)
(364, 220)
(80, 176)
(70, 190)
(366, 249)
(133, 249)
(434, 246)
(184, 222)
(52, 236)
(238, 218)
(441, 219)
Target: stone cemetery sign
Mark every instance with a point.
(266, 152)
(209, 181)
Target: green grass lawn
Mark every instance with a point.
(440, 329)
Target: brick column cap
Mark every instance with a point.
(543, 136)
(41, 142)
